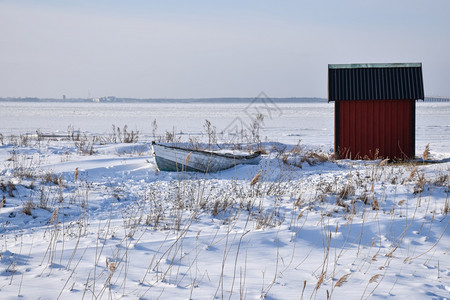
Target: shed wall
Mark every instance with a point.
(375, 129)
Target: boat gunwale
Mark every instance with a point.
(225, 155)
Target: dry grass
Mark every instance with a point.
(383, 162)
(296, 157)
(442, 180)
(50, 177)
(28, 207)
(54, 216)
(11, 187)
(426, 152)
(320, 280)
(314, 158)
(374, 278)
(342, 280)
(174, 208)
(255, 179)
(374, 204)
(413, 172)
(420, 184)
(346, 191)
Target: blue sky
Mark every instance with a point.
(184, 49)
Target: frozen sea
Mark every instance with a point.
(312, 122)
(110, 225)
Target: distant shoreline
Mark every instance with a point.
(185, 100)
(168, 100)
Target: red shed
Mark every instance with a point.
(375, 109)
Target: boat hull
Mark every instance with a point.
(177, 159)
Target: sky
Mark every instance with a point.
(202, 49)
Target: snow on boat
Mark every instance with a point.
(172, 158)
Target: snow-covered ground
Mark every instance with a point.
(90, 217)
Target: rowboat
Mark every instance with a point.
(173, 158)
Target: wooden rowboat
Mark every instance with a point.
(172, 158)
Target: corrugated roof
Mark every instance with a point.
(375, 81)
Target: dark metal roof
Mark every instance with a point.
(375, 81)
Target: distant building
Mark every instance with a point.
(104, 99)
(375, 109)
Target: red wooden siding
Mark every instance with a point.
(375, 129)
